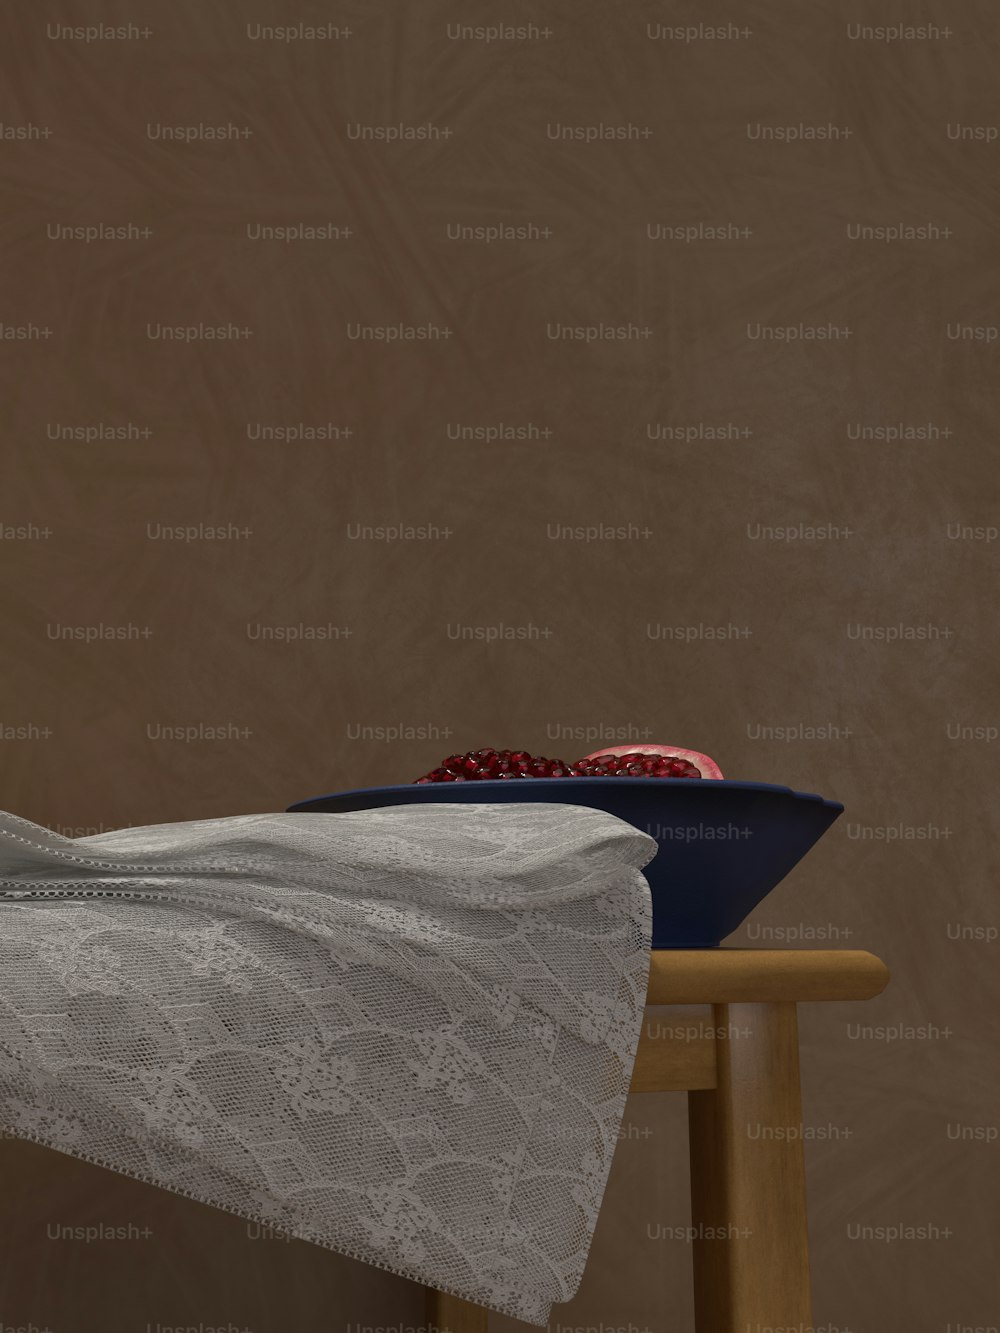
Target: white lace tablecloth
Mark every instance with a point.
(404, 1034)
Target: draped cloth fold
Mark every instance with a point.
(404, 1034)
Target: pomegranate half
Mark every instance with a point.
(670, 757)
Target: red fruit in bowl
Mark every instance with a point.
(620, 761)
(657, 761)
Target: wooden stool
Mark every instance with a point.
(742, 1068)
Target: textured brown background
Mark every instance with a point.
(606, 634)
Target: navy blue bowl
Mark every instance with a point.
(723, 846)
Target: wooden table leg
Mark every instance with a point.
(450, 1314)
(748, 1177)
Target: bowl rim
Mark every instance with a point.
(575, 783)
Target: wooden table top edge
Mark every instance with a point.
(754, 976)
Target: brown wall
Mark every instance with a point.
(614, 431)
